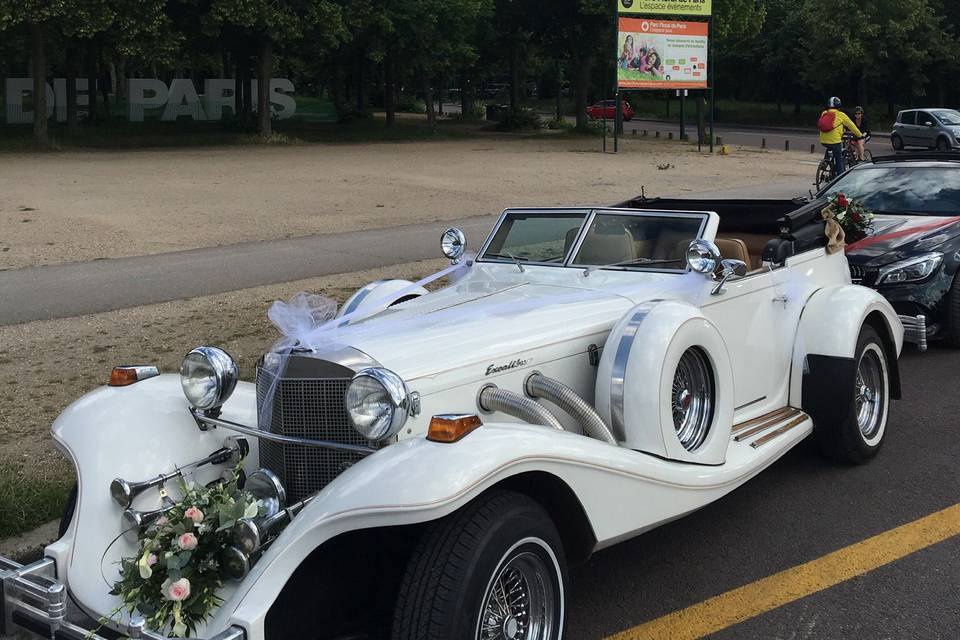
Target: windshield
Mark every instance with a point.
(918, 190)
(614, 239)
(535, 237)
(948, 117)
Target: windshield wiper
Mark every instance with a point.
(509, 256)
(636, 261)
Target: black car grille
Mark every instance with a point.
(863, 275)
(305, 408)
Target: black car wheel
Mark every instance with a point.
(860, 434)
(943, 144)
(493, 570)
(897, 142)
(952, 314)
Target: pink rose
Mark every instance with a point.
(187, 542)
(176, 591)
(193, 514)
(162, 521)
(151, 560)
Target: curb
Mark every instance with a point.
(29, 546)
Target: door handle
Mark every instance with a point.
(782, 298)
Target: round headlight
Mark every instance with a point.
(453, 243)
(208, 376)
(377, 401)
(267, 489)
(703, 256)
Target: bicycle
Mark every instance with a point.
(826, 170)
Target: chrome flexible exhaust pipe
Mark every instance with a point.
(491, 398)
(538, 385)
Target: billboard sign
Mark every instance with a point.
(661, 54)
(701, 8)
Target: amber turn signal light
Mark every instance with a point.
(452, 427)
(127, 375)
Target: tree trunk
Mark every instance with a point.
(105, 86)
(428, 99)
(514, 77)
(246, 112)
(582, 67)
(91, 85)
(264, 72)
(73, 123)
(120, 89)
(468, 95)
(389, 87)
(441, 89)
(40, 133)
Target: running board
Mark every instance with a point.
(768, 426)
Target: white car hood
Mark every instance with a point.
(488, 321)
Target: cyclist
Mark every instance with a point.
(860, 120)
(831, 124)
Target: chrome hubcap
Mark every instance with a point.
(869, 394)
(519, 604)
(692, 394)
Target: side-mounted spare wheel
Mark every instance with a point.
(495, 570)
(857, 433)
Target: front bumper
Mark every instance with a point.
(915, 330)
(33, 600)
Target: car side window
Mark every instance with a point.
(923, 118)
(908, 117)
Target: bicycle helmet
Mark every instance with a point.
(834, 102)
(858, 110)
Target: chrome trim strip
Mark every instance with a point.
(752, 402)
(767, 424)
(759, 442)
(772, 417)
(618, 372)
(275, 437)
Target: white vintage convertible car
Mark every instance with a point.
(440, 457)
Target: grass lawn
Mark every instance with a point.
(28, 500)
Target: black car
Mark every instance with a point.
(911, 256)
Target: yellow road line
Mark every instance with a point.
(748, 601)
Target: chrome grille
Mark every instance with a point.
(306, 408)
(867, 276)
(856, 273)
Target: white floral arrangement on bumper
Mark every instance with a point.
(174, 579)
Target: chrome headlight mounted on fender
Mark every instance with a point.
(208, 376)
(378, 403)
(912, 270)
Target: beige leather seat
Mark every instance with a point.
(734, 249)
(611, 246)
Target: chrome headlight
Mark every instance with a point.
(378, 403)
(912, 270)
(208, 376)
(453, 243)
(703, 256)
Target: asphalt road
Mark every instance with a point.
(797, 510)
(79, 288)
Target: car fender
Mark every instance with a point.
(417, 481)
(136, 433)
(826, 344)
(378, 292)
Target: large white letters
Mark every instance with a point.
(144, 95)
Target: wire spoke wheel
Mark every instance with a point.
(692, 398)
(870, 393)
(520, 601)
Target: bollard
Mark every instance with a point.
(719, 141)
(813, 148)
(657, 134)
(786, 145)
(670, 135)
(763, 143)
(644, 133)
(633, 132)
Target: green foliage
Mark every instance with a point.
(520, 120)
(29, 500)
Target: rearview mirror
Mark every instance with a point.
(728, 269)
(928, 123)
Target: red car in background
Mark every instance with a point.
(607, 108)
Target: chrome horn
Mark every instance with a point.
(123, 492)
(251, 536)
(134, 519)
